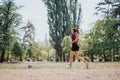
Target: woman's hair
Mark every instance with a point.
(74, 30)
(78, 31)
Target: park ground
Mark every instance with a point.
(57, 71)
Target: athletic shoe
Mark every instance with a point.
(68, 66)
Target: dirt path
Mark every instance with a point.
(60, 73)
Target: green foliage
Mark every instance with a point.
(37, 49)
(104, 40)
(116, 8)
(109, 7)
(16, 50)
(66, 46)
(29, 53)
(9, 21)
(28, 39)
(29, 33)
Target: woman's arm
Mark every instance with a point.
(76, 39)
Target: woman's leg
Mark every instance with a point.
(71, 57)
(80, 58)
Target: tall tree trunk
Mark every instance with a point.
(3, 56)
(118, 53)
(60, 56)
(21, 59)
(57, 56)
(8, 56)
(106, 58)
(92, 57)
(63, 57)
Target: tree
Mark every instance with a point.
(110, 26)
(29, 53)
(103, 41)
(116, 8)
(29, 33)
(104, 7)
(48, 47)
(66, 46)
(94, 39)
(37, 49)
(9, 19)
(62, 15)
(28, 38)
(17, 50)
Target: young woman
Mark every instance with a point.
(75, 48)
